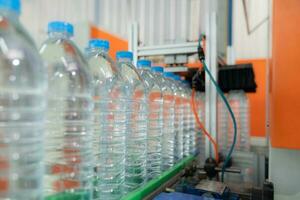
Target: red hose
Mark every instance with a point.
(202, 127)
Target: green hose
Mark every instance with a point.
(231, 114)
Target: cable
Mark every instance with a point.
(227, 159)
(201, 126)
(201, 55)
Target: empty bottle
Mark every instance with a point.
(191, 142)
(22, 115)
(178, 116)
(222, 125)
(186, 119)
(200, 137)
(68, 158)
(168, 141)
(137, 110)
(155, 120)
(109, 122)
(240, 107)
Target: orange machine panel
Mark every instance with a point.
(285, 75)
(116, 43)
(257, 100)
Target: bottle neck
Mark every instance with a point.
(157, 73)
(145, 68)
(98, 50)
(63, 35)
(125, 60)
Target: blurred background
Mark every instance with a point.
(263, 33)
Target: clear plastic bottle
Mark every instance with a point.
(240, 107)
(200, 137)
(155, 119)
(137, 110)
(68, 158)
(191, 142)
(109, 122)
(168, 146)
(178, 116)
(222, 125)
(22, 109)
(186, 119)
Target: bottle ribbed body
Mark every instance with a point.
(179, 131)
(240, 107)
(169, 136)
(22, 113)
(136, 136)
(68, 146)
(109, 126)
(200, 137)
(186, 127)
(155, 123)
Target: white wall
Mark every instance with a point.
(284, 173)
(254, 45)
(160, 21)
(37, 13)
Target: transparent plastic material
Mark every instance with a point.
(155, 123)
(186, 121)
(179, 95)
(109, 125)
(136, 137)
(68, 158)
(240, 107)
(200, 137)
(22, 112)
(168, 146)
(192, 125)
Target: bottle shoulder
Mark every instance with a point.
(102, 66)
(20, 61)
(65, 63)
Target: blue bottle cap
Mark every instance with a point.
(177, 78)
(11, 5)
(143, 64)
(61, 27)
(97, 43)
(124, 54)
(158, 69)
(168, 74)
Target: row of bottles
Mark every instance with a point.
(81, 126)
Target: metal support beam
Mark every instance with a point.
(133, 40)
(211, 61)
(170, 49)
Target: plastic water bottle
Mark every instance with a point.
(191, 142)
(222, 125)
(22, 101)
(200, 138)
(178, 116)
(136, 138)
(186, 120)
(68, 158)
(240, 107)
(168, 146)
(155, 119)
(187, 116)
(109, 122)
